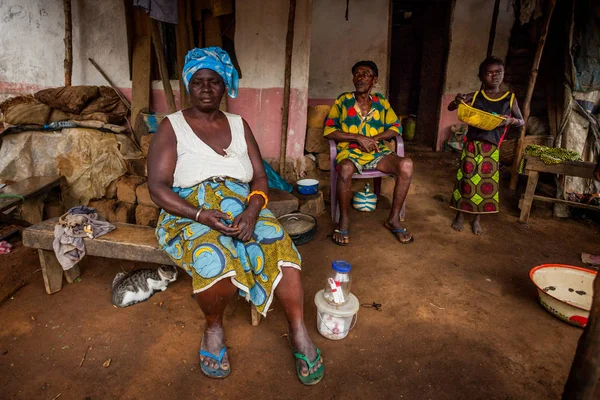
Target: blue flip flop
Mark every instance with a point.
(401, 231)
(214, 373)
(344, 234)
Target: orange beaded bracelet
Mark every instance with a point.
(260, 193)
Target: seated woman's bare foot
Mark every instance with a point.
(458, 222)
(340, 234)
(477, 229)
(213, 342)
(303, 345)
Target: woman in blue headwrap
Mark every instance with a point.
(206, 173)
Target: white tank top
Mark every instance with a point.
(196, 161)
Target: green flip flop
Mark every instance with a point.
(315, 377)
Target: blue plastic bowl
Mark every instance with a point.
(307, 186)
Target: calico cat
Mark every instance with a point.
(137, 286)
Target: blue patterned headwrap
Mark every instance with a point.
(214, 58)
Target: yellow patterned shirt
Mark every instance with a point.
(345, 116)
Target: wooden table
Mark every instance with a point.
(533, 167)
(27, 188)
(31, 193)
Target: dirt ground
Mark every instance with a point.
(459, 319)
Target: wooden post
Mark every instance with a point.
(68, 43)
(585, 370)
(162, 66)
(289, 44)
(514, 177)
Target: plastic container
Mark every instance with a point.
(410, 125)
(337, 286)
(334, 322)
(478, 118)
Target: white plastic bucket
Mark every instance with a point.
(335, 322)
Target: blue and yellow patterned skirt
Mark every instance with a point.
(208, 256)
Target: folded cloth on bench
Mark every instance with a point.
(77, 223)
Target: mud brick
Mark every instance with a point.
(281, 202)
(145, 141)
(104, 207)
(146, 216)
(317, 115)
(111, 189)
(323, 162)
(137, 166)
(313, 205)
(143, 196)
(315, 142)
(123, 212)
(126, 188)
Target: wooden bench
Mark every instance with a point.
(126, 242)
(533, 167)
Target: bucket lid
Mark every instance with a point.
(341, 266)
(346, 310)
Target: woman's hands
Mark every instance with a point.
(241, 228)
(459, 99)
(212, 219)
(245, 223)
(508, 121)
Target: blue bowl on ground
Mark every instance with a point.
(307, 186)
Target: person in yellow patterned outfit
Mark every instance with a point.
(359, 122)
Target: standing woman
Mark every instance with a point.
(206, 173)
(477, 185)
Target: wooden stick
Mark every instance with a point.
(585, 370)
(289, 44)
(514, 177)
(12, 291)
(112, 85)
(492, 37)
(68, 43)
(183, 46)
(162, 66)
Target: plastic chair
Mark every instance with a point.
(367, 174)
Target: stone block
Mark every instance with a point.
(123, 212)
(323, 162)
(145, 141)
(143, 196)
(146, 215)
(315, 142)
(126, 188)
(317, 115)
(281, 202)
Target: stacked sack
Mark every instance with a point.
(74, 103)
